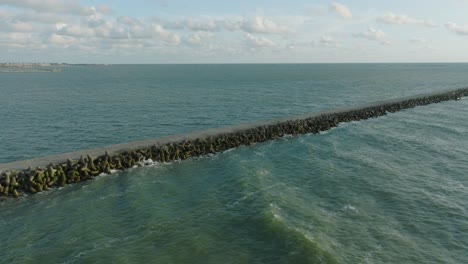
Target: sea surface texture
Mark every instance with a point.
(388, 190)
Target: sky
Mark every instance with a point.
(242, 31)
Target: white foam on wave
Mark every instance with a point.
(263, 172)
(148, 162)
(248, 195)
(351, 208)
(76, 257)
(444, 202)
(367, 257)
(104, 175)
(228, 150)
(112, 195)
(275, 211)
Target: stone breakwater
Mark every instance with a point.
(36, 175)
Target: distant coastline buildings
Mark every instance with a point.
(27, 65)
(33, 67)
(42, 64)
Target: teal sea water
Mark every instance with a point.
(387, 190)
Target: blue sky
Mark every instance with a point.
(255, 31)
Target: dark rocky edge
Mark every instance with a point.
(44, 173)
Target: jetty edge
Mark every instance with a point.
(40, 174)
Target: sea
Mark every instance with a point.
(393, 189)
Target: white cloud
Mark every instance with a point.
(95, 20)
(328, 41)
(374, 35)
(416, 40)
(126, 47)
(4, 14)
(102, 9)
(136, 28)
(202, 25)
(391, 18)
(341, 10)
(263, 25)
(54, 6)
(231, 24)
(75, 31)
(110, 30)
(198, 38)
(18, 38)
(193, 24)
(120, 29)
(61, 40)
(129, 21)
(16, 27)
(166, 35)
(458, 29)
(60, 26)
(257, 24)
(44, 18)
(258, 42)
(34, 17)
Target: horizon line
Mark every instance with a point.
(228, 63)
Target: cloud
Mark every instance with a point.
(72, 7)
(95, 20)
(263, 25)
(44, 18)
(457, 29)
(253, 25)
(61, 40)
(165, 35)
(120, 29)
(396, 19)
(103, 9)
(341, 10)
(258, 42)
(110, 30)
(75, 31)
(16, 26)
(202, 25)
(129, 21)
(132, 27)
(327, 41)
(418, 40)
(374, 35)
(18, 39)
(71, 29)
(28, 16)
(4, 14)
(125, 47)
(198, 38)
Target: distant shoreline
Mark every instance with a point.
(26, 65)
(28, 70)
(41, 65)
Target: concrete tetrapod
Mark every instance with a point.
(36, 175)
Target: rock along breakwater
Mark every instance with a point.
(36, 175)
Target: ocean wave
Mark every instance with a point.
(304, 246)
(350, 208)
(445, 203)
